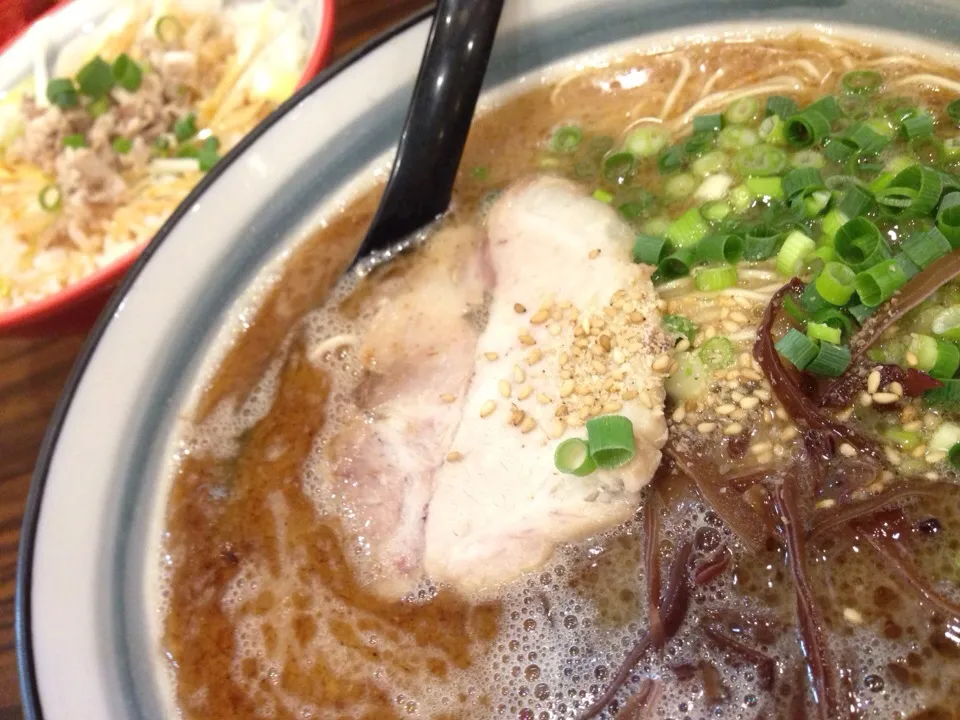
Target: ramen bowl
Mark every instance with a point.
(71, 303)
(93, 578)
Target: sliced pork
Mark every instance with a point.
(573, 332)
(419, 350)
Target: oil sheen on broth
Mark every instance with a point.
(272, 609)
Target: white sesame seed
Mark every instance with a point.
(543, 399)
(852, 616)
(487, 408)
(527, 424)
(824, 504)
(661, 363)
(705, 428)
(448, 398)
(539, 317)
(454, 456)
(896, 388)
(733, 429)
(748, 403)
(934, 457)
(679, 414)
(873, 382)
(518, 374)
(491, 356)
(866, 399)
(763, 395)
(556, 428)
(524, 392)
(683, 345)
(885, 398)
(911, 359)
(725, 409)
(765, 458)
(567, 388)
(760, 448)
(893, 457)
(848, 450)
(504, 387)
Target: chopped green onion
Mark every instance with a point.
(634, 201)
(804, 180)
(906, 265)
(807, 128)
(566, 139)
(953, 110)
(781, 106)
(717, 353)
(860, 244)
(688, 229)
(826, 106)
(814, 203)
(797, 348)
(604, 196)
(836, 319)
(947, 396)
(698, 142)
(610, 440)
(879, 283)
(832, 222)
(824, 253)
(680, 325)
(188, 151)
(480, 172)
(127, 73)
(647, 141)
(74, 141)
(50, 197)
(856, 201)
(854, 107)
(671, 160)
(720, 248)
(944, 437)
(860, 311)
(771, 131)
(737, 138)
(708, 123)
(62, 93)
(917, 126)
(742, 111)
(946, 323)
(793, 309)
(618, 167)
(866, 139)
(795, 248)
(121, 145)
(926, 247)
(95, 79)
(210, 154)
(920, 185)
(760, 161)
(765, 187)
(572, 457)
(740, 198)
(712, 162)
(807, 159)
(827, 333)
(839, 149)
(676, 264)
(953, 456)
(812, 301)
(679, 186)
(948, 218)
(948, 360)
(831, 360)
(98, 107)
(951, 148)
(715, 211)
(709, 279)
(862, 82)
(835, 283)
(760, 243)
(648, 249)
(185, 127)
(168, 29)
(937, 357)
(903, 439)
(656, 226)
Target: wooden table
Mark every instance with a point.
(33, 372)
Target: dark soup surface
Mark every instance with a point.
(661, 421)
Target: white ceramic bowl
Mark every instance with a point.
(87, 623)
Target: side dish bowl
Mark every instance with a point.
(88, 618)
(75, 306)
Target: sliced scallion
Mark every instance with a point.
(862, 82)
(860, 244)
(618, 167)
(688, 229)
(604, 196)
(708, 123)
(62, 93)
(771, 131)
(572, 457)
(185, 127)
(781, 106)
(797, 348)
(709, 279)
(807, 159)
(812, 301)
(566, 139)
(121, 145)
(953, 456)
(75, 140)
(948, 218)
(835, 318)
(878, 284)
(127, 73)
(765, 187)
(760, 243)
(839, 149)
(648, 249)
(832, 222)
(679, 186)
(806, 128)
(610, 440)
(168, 29)
(95, 79)
(50, 198)
(953, 110)
(709, 164)
(918, 184)
(826, 333)
(831, 360)
(743, 111)
(926, 247)
(760, 160)
(720, 248)
(856, 201)
(802, 180)
(826, 106)
(717, 353)
(647, 141)
(795, 248)
(917, 126)
(947, 396)
(680, 325)
(835, 283)
(671, 160)
(676, 264)
(735, 137)
(946, 323)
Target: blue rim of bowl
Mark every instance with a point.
(29, 691)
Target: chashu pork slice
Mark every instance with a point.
(573, 331)
(419, 351)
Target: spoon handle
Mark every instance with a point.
(437, 122)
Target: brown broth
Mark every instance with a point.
(323, 643)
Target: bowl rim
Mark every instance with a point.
(29, 690)
(49, 305)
